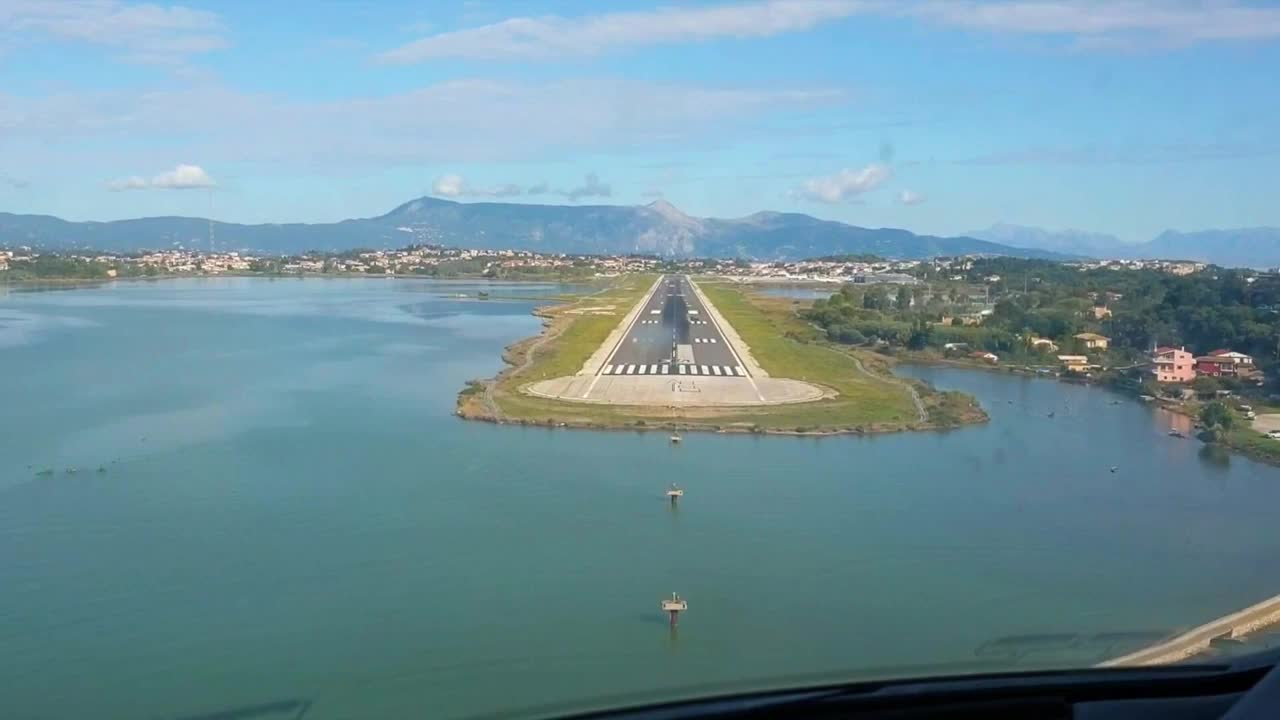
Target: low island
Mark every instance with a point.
(671, 351)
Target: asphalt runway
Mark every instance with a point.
(673, 335)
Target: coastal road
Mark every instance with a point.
(674, 335)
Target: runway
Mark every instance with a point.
(674, 335)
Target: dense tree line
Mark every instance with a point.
(1215, 308)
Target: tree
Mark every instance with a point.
(1216, 415)
(875, 299)
(904, 298)
(920, 335)
(1206, 386)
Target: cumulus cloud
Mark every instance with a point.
(846, 185)
(141, 32)
(525, 38)
(182, 177)
(590, 187)
(910, 197)
(455, 186)
(449, 186)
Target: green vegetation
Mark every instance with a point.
(868, 398)
(1216, 416)
(1001, 305)
(1252, 443)
(50, 267)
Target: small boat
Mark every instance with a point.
(1175, 433)
(675, 438)
(1051, 414)
(482, 295)
(1114, 468)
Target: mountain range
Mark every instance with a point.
(658, 228)
(1241, 247)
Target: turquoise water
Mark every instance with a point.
(289, 511)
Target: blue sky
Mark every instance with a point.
(1128, 116)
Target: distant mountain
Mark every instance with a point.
(658, 228)
(1071, 242)
(1243, 247)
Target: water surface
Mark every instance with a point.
(290, 511)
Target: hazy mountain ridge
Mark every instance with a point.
(658, 228)
(1075, 242)
(1232, 247)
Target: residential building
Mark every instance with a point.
(1043, 345)
(1225, 363)
(1101, 312)
(1173, 365)
(1074, 363)
(1093, 341)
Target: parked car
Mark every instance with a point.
(1274, 434)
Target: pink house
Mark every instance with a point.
(1173, 365)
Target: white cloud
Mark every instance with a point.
(590, 187)
(449, 122)
(525, 38)
(910, 197)
(449, 186)
(846, 185)
(182, 177)
(1090, 23)
(140, 32)
(455, 186)
(1108, 23)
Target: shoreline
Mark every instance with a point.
(1199, 639)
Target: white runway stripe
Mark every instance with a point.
(693, 369)
(642, 369)
(715, 369)
(653, 369)
(713, 339)
(664, 369)
(631, 369)
(608, 369)
(705, 371)
(681, 369)
(738, 370)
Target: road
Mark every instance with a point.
(674, 335)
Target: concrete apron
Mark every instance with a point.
(679, 391)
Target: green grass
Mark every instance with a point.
(1254, 444)
(584, 332)
(784, 345)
